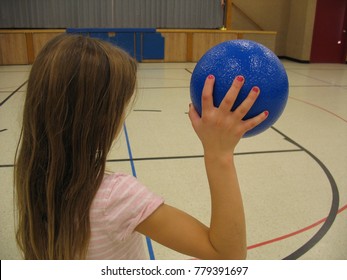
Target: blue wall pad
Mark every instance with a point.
(151, 46)
(140, 43)
(126, 41)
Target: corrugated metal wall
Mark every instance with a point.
(111, 13)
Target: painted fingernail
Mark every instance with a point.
(266, 113)
(240, 78)
(255, 89)
(210, 77)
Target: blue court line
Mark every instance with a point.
(148, 240)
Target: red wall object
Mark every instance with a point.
(329, 42)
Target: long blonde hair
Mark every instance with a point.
(77, 92)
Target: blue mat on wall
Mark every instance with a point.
(140, 43)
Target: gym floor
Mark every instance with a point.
(292, 176)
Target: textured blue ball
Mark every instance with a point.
(260, 67)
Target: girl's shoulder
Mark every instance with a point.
(121, 187)
(111, 179)
(116, 182)
(122, 202)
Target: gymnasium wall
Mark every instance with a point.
(189, 27)
(111, 13)
(292, 19)
(300, 29)
(267, 14)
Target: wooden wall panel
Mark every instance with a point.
(175, 47)
(40, 39)
(190, 44)
(202, 42)
(13, 49)
(181, 45)
(267, 40)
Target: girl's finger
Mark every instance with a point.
(253, 122)
(207, 94)
(247, 104)
(230, 97)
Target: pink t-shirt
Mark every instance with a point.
(120, 204)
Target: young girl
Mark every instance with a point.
(77, 95)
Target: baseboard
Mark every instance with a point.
(294, 59)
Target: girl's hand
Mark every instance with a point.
(219, 129)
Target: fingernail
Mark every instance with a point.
(266, 113)
(210, 77)
(255, 89)
(239, 78)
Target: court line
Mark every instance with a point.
(307, 76)
(161, 87)
(319, 86)
(131, 159)
(314, 69)
(148, 240)
(333, 209)
(293, 233)
(161, 69)
(13, 93)
(201, 156)
(319, 107)
(6, 165)
(147, 110)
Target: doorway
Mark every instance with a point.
(329, 35)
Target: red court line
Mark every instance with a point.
(319, 107)
(293, 233)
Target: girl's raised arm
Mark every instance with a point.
(219, 130)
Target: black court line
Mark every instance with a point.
(201, 156)
(185, 157)
(155, 158)
(161, 69)
(2, 130)
(161, 87)
(191, 72)
(5, 91)
(13, 93)
(6, 165)
(147, 110)
(333, 209)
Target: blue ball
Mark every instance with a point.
(259, 66)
